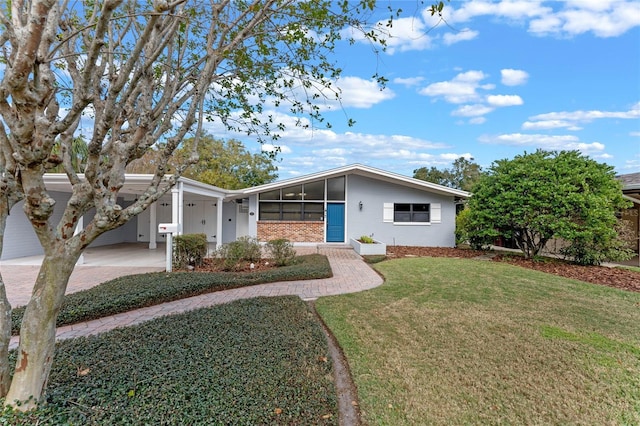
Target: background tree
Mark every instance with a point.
(535, 197)
(226, 164)
(463, 174)
(146, 72)
(78, 155)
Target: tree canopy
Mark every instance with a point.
(225, 164)
(142, 73)
(535, 197)
(463, 174)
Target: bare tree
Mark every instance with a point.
(145, 72)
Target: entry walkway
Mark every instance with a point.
(350, 274)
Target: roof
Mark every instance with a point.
(630, 186)
(136, 184)
(630, 179)
(354, 169)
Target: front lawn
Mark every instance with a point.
(138, 291)
(455, 341)
(258, 361)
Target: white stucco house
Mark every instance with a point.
(326, 207)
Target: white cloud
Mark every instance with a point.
(463, 35)
(504, 100)
(603, 19)
(548, 142)
(510, 10)
(453, 157)
(331, 152)
(635, 134)
(572, 119)
(549, 124)
(360, 93)
(606, 18)
(409, 81)
(472, 110)
(405, 35)
(477, 120)
(462, 88)
(511, 77)
(283, 149)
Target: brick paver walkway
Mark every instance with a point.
(350, 274)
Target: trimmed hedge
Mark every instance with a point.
(138, 291)
(256, 361)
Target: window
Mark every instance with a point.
(411, 212)
(314, 190)
(335, 189)
(292, 193)
(301, 202)
(291, 211)
(243, 206)
(270, 195)
(270, 211)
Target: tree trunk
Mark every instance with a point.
(5, 311)
(38, 330)
(5, 338)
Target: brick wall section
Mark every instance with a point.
(294, 231)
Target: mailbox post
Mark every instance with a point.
(168, 229)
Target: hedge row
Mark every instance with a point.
(138, 291)
(257, 361)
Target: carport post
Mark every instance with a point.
(153, 227)
(169, 263)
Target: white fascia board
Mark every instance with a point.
(361, 170)
(634, 200)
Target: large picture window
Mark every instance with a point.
(301, 202)
(410, 212)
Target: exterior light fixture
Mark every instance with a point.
(360, 205)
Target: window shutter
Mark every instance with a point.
(387, 214)
(436, 213)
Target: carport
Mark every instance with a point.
(194, 206)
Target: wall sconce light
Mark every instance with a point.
(360, 205)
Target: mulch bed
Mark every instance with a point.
(217, 265)
(624, 279)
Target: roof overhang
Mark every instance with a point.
(136, 184)
(355, 169)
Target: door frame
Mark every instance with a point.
(344, 223)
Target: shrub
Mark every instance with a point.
(190, 249)
(365, 239)
(243, 249)
(138, 291)
(281, 251)
(374, 258)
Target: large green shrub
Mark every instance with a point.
(244, 249)
(281, 251)
(189, 250)
(536, 197)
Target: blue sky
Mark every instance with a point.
(500, 79)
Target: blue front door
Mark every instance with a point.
(335, 223)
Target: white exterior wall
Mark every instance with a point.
(20, 240)
(374, 194)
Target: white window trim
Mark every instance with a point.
(435, 214)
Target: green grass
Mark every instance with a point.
(138, 291)
(257, 361)
(454, 341)
(631, 268)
